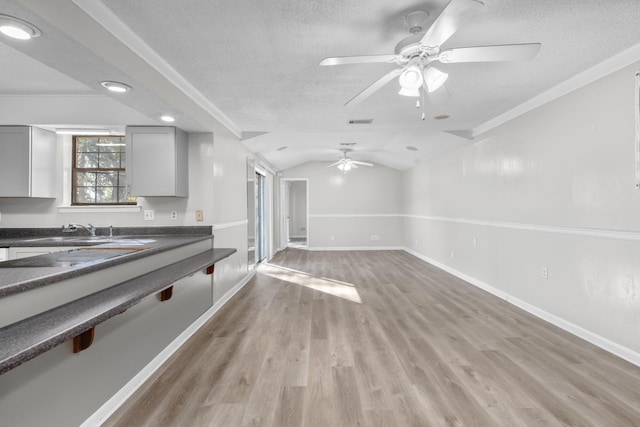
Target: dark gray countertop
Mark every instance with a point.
(14, 279)
(22, 236)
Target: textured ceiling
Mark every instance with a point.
(257, 63)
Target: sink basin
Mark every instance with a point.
(92, 241)
(97, 239)
(74, 239)
(48, 239)
(68, 258)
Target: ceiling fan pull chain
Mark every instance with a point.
(423, 91)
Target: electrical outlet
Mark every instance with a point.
(149, 215)
(333, 237)
(174, 215)
(199, 216)
(375, 237)
(545, 273)
(453, 255)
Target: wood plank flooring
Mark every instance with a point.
(380, 338)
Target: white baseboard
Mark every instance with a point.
(595, 339)
(118, 399)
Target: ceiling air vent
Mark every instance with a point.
(360, 121)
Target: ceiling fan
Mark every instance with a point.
(345, 164)
(415, 54)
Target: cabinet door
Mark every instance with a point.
(15, 167)
(156, 161)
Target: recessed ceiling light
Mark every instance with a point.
(17, 28)
(284, 147)
(167, 118)
(441, 117)
(116, 86)
(412, 148)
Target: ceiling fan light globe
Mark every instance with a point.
(411, 78)
(409, 92)
(434, 78)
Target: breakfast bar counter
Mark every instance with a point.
(50, 299)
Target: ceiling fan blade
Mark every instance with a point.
(334, 164)
(368, 91)
(507, 52)
(356, 162)
(366, 59)
(454, 16)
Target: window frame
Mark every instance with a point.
(75, 170)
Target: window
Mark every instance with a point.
(98, 171)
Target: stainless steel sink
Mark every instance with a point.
(68, 258)
(74, 239)
(50, 239)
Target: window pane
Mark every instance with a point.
(85, 179)
(86, 143)
(122, 195)
(87, 160)
(111, 143)
(105, 184)
(109, 160)
(105, 195)
(107, 179)
(85, 195)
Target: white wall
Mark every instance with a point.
(345, 210)
(230, 213)
(553, 188)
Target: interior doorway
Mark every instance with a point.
(295, 212)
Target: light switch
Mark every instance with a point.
(199, 216)
(149, 215)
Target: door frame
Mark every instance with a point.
(284, 210)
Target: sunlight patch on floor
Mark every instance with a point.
(329, 286)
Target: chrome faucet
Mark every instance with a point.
(70, 228)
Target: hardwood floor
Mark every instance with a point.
(380, 339)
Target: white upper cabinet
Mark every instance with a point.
(157, 161)
(27, 162)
